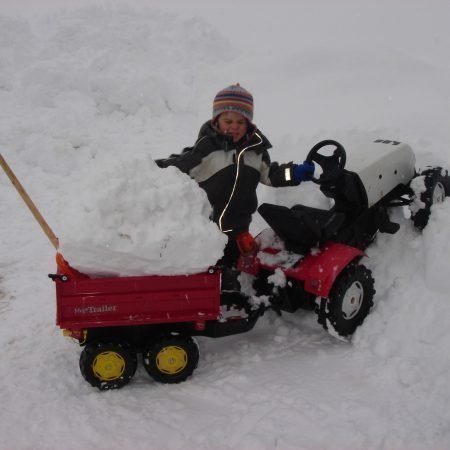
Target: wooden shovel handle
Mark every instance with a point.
(26, 198)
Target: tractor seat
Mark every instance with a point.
(301, 227)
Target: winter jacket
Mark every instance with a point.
(230, 172)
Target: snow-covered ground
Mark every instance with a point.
(91, 94)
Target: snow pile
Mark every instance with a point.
(120, 68)
(405, 340)
(134, 218)
(85, 97)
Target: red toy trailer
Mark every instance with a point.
(116, 318)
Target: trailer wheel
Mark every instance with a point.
(108, 365)
(349, 301)
(435, 192)
(171, 359)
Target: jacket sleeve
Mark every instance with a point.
(185, 161)
(275, 174)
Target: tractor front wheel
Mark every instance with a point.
(435, 192)
(349, 301)
(171, 359)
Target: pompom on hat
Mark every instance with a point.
(233, 98)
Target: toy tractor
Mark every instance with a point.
(318, 252)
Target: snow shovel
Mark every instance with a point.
(26, 198)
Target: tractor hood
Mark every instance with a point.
(381, 165)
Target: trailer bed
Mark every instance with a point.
(124, 301)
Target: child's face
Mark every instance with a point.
(233, 124)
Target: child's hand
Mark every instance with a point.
(303, 172)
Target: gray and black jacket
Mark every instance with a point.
(230, 172)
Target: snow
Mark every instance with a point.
(135, 219)
(91, 93)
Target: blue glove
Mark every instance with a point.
(303, 172)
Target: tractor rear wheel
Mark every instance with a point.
(349, 301)
(108, 365)
(171, 359)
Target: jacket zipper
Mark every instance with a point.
(235, 183)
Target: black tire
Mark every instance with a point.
(171, 359)
(435, 192)
(108, 365)
(349, 301)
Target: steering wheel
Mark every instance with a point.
(331, 165)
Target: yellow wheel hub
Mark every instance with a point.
(171, 360)
(108, 366)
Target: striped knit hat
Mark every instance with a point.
(233, 98)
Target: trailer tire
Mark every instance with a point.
(108, 365)
(171, 359)
(349, 301)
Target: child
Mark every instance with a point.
(229, 159)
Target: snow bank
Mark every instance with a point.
(85, 97)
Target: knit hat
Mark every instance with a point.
(233, 98)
